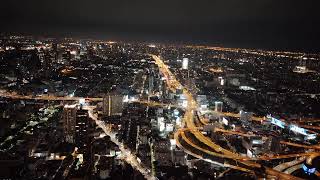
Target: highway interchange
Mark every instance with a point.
(190, 135)
(174, 84)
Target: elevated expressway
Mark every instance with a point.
(191, 145)
(16, 96)
(208, 147)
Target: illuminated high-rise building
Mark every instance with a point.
(47, 63)
(185, 62)
(54, 51)
(82, 128)
(69, 122)
(218, 106)
(75, 125)
(151, 82)
(112, 105)
(66, 57)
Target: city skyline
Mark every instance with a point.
(159, 90)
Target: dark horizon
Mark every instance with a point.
(267, 24)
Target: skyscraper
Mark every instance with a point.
(69, 122)
(81, 128)
(55, 51)
(185, 62)
(75, 125)
(218, 106)
(151, 82)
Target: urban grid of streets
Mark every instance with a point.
(189, 125)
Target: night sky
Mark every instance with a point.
(268, 24)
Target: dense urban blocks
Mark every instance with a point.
(93, 109)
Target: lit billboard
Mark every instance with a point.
(310, 136)
(277, 122)
(308, 170)
(299, 130)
